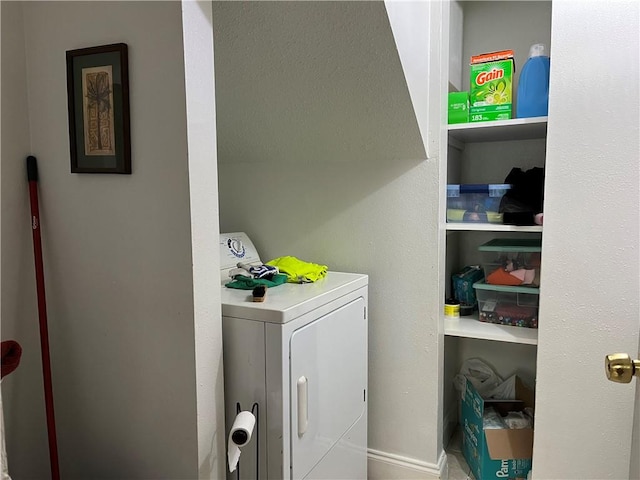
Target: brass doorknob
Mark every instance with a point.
(621, 368)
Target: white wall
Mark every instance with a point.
(117, 253)
(303, 82)
(320, 157)
(22, 390)
(590, 283)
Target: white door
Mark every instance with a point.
(328, 383)
(624, 368)
(634, 467)
(590, 281)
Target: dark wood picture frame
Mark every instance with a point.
(98, 102)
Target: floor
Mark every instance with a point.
(458, 468)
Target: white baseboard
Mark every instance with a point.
(388, 466)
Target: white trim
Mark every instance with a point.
(199, 78)
(381, 463)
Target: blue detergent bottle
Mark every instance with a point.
(533, 84)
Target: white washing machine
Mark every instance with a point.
(301, 355)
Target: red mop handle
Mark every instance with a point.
(32, 175)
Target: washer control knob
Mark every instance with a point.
(237, 247)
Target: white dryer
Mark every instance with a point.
(301, 355)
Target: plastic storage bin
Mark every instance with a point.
(514, 262)
(475, 203)
(508, 305)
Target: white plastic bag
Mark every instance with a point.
(505, 390)
(481, 376)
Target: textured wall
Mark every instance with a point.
(590, 244)
(321, 157)
(117, 253)
(22, 392)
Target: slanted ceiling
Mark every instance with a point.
(310, 82)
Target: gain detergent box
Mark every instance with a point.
(490, 96)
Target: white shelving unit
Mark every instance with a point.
(484, 132)
(480, 153)
(506, 130)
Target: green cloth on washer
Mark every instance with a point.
(298, 270)
(246, 283)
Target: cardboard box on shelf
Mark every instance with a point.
(463, 282)
(458, 107)
(496, 453)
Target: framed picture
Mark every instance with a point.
(98, 101)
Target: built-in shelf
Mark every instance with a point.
(471, 327)
(501, 130)
(491, 227)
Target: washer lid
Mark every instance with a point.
(291, 300)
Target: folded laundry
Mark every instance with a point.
(234, 272)
(246, 283)
(299, 271)
(261, 271)
(254, 271)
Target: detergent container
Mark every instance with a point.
(533, 86)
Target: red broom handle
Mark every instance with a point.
(32, 175)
